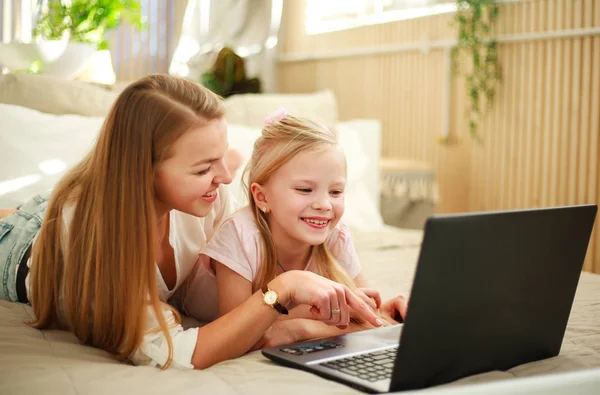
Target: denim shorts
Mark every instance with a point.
(17, 232)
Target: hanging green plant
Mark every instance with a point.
(475, 19)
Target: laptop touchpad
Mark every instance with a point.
(386, 335)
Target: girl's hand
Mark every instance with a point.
(330, 302)
(390, 308)
(371, 297)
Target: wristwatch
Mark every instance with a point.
(270, 298)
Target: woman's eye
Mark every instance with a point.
(336, 193)
(203, 172)
(303, 190)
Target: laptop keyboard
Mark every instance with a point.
(373, 366)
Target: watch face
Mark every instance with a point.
(270, 297)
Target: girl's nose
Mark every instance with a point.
(322, 203)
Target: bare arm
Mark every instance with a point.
(295, 327)
(232, 288)
(289, 331)
(233, 334)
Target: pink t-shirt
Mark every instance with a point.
(237, 245)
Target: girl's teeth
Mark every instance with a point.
(314, 221)
(210, 194)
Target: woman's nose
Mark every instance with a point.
(224, 175)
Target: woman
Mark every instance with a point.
(120, 235)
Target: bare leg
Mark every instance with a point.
(5, 212)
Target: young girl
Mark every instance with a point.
(121, 233)
(296, 178)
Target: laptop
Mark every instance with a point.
(491, 291)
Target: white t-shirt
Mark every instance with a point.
(187, 235)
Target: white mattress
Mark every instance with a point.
(52, 362)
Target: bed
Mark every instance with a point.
(53, 362)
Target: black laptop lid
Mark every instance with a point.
(491, 291)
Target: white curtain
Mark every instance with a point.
(249, 27)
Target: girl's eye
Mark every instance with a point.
(336, 193)
(203, 172)
(303, 190)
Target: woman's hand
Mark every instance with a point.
(241, 329)
(281, 333)
(390, 308)
(330, 302)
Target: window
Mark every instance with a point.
(324, 16)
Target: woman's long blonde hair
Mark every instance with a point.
(103, 277)
(278, 144)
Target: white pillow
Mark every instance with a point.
(37, 148)
(242, 138)
(360, 142)
(251, 109)
(55, 95)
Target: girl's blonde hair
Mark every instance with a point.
(279, 142)
(103, 276)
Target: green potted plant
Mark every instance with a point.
(86, 21)
(82, 25)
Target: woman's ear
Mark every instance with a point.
(258, 193)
